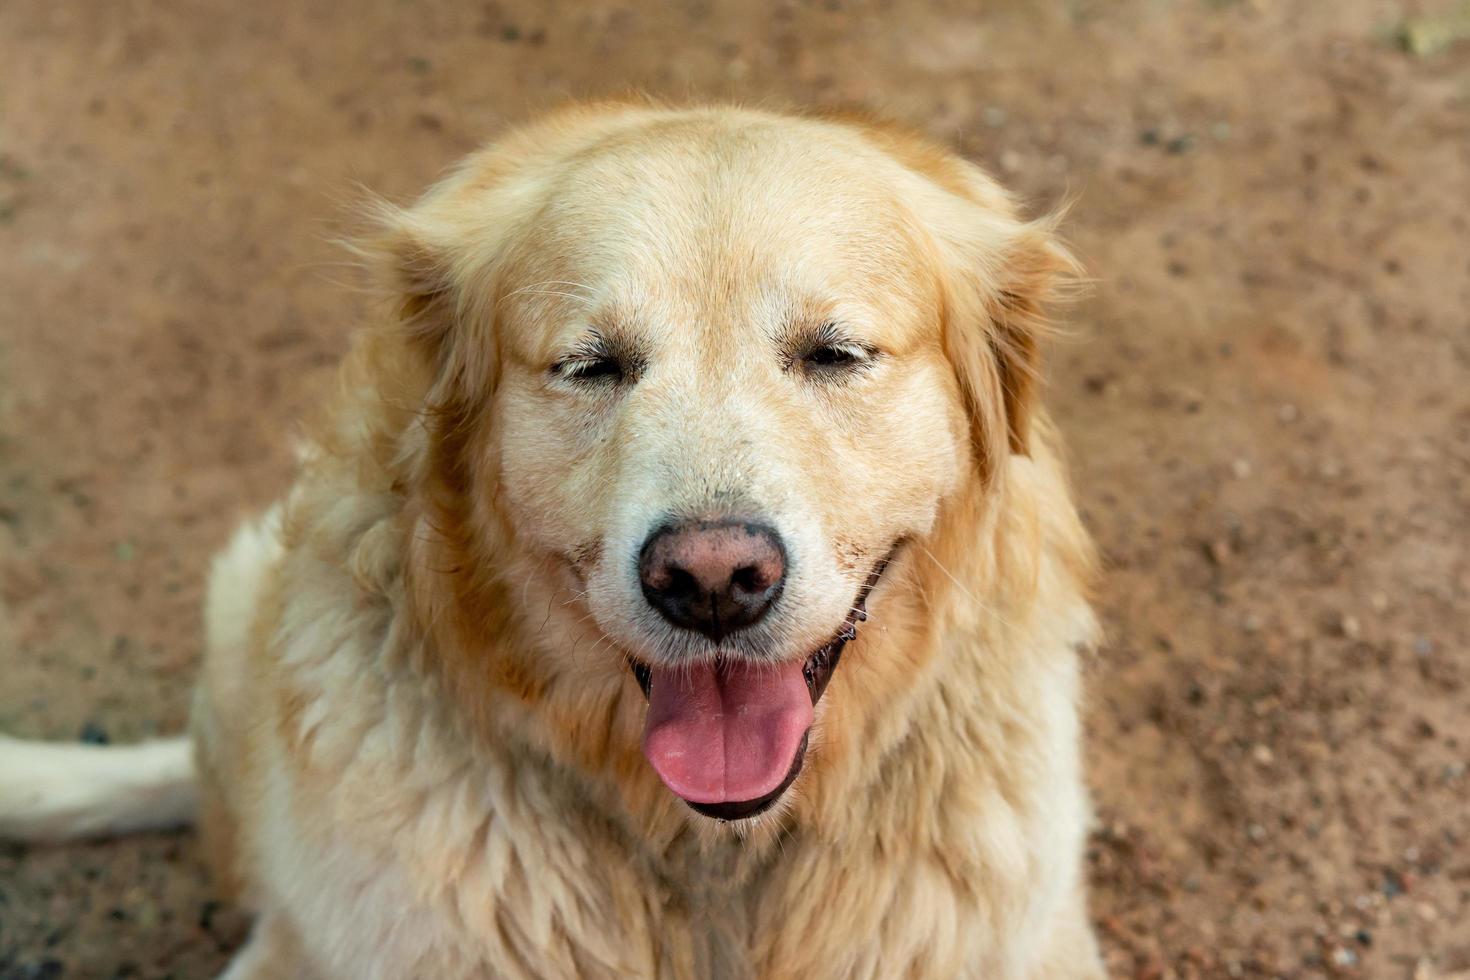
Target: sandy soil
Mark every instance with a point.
(1267, 394)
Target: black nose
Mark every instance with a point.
(712, 576)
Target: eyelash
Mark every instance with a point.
(830, 355)
(596, 362)
(590, 368)
(835, 356)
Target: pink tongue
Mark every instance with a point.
(725, 735)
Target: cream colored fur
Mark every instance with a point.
(417, 737)
(62, 792)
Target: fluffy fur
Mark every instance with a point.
(417, 738)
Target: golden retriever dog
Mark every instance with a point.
(682, 584)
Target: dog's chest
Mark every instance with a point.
(493, 874)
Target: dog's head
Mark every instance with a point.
(700, 377)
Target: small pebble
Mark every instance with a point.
(146, 915)
(207, 912)
(1241, 468)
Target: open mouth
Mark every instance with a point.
(728, 737)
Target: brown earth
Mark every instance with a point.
(1267, 396)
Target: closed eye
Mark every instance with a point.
(599, 361)
(827, 353)
(589, 369)
(834, 356)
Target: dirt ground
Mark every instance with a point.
(1267, 395)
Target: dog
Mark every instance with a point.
(683, 583)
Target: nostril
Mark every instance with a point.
(749, 578)
(681, 584)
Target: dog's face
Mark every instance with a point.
(725, 382)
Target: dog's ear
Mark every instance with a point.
(1000, 277)
(440, 278)
(420, 276)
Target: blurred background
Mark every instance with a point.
(1267, 397)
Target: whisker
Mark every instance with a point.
(560, 282)
(546, 292)
(988, 607)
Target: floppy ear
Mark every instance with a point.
(419, 276)
(1000, 278)
(431, 365)
(438, 269)
(1034, 269)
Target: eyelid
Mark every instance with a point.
(596, 358)
(857, 349)
(831, 334)
(571, 362)
(587, 371)
(590, 347)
